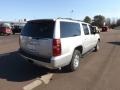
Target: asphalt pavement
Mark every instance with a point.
(98, 70)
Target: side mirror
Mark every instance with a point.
(94, 30)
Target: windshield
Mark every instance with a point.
(41, 29)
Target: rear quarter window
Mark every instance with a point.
(69, 29)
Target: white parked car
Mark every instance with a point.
(56, 43)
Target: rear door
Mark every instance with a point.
(70, 34)
(37, 37)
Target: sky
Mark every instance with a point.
(37, 9)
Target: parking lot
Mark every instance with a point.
(98, 71)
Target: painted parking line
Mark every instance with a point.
(45, 79)
(32, 85)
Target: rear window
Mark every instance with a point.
(41, 29)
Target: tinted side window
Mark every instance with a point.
(69, 29)
(91, 29)
(85, 28)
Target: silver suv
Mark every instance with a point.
(57, 43)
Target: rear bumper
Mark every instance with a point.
(52, 63)
(31, 56)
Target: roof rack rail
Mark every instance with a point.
(69, 19)
(65, 18)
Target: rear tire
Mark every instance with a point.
(13, 33)
(2, 34)
(75, 61)
(8, 34)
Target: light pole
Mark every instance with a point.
(71, 13)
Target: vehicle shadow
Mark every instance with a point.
(115, 43)
(15, 68)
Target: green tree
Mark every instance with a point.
(99, 20)
(87, 19)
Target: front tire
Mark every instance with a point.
(97, 47)
(75, 61)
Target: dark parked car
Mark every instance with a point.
(105, 29)
(17, 28)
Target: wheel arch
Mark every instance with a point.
(80, 48)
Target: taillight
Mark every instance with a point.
(56, 47)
